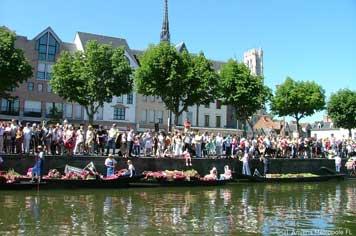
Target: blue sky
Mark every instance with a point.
(304, 39)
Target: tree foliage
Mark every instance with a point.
(242, 90)
(298, 99)
(14, 68)
(92, 77)
(180, 79)
(342, 109)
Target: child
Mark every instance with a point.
(188, 158)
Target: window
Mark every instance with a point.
(151, 116)
(32, 109)
(119, 113)
(144, 116)
(207, 105)
(218, 104)
(206, 120)
(54, 109)
(39, 87)
(189, 116)
(130, 98)
(78, 112)
(159, 117)
(10, 106)
(120, 99)
(218, 121)
(41, 75)
(47, 47)
(30, 86)
(68, 110)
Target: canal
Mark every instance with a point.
(240, 209)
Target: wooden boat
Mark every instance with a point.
(317, 178)
(177, 183)
(22, 185)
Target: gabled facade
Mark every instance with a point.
(35, 100)
(122, 109)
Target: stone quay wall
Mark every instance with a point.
(283, 166)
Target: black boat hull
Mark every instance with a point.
(21, 186)
(294, 179)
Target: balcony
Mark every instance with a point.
(5, 110)
(32, 112)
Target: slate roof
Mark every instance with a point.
(115, 42)
(217, 64)
(70, 47)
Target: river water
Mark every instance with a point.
(240, 209)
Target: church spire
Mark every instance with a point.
(165, 36)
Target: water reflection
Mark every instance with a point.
(238, 209)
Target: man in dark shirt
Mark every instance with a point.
(101, 135)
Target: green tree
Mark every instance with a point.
(204, 81)
(92, 77)
(298, 99)
(242, 90)
(181, 80)
(342, 109)
(14, 68)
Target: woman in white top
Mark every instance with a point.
(79, 141)
(89, 139)
(227, 173)
(178, 146)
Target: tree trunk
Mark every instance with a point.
(176, 116)
(90, 114)
(298, 128)
(350, 134)
(245, 131)
(197, 118)
(250, 124)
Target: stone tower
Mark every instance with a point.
(253, 58)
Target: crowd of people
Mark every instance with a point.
(65, 138)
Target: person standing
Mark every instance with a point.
(37, 170)
(219, 145)
(198, 139)
(79, 142)
(14, 127)
(337, 163)
(69, 139)
(130, 138)
(245, 165)
(2, 131)
(112, 136)
(89, 140)
(27, 135)
(110, 164)
(19, 140)
(101, 140)
(123, 145)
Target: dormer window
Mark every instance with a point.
(47, 47)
